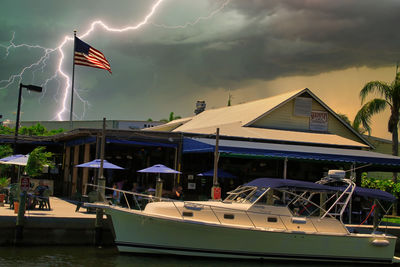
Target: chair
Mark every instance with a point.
(44, 200)
(13, 194)
(89, 198)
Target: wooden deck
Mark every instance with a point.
(59, 226)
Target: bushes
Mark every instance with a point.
(381, 184)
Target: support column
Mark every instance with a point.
(74, 169)
(86, 158)
(67, 162)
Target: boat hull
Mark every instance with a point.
(138, 232)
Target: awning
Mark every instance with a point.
(256, 149)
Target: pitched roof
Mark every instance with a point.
(239, 118)
(236, 130)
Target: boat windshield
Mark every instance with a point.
(245, 194)
(299, 203)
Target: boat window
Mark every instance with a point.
(272, 219)
(240, 194)
(187, 214)
(229, 216)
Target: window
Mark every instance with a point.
(229, 216)
(187, 214)
(272, 219)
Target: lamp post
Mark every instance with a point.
(34, 88)
(21, 209)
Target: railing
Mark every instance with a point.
(195, 206)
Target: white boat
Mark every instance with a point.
(247, 224)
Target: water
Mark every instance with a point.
(62, 256)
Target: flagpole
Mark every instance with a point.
(73, 79)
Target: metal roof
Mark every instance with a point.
(236, 130)
(244, 115)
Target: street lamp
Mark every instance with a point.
(30, 87)
(21, 210)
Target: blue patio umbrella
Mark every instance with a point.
(20, 160)
(96, 164)
(158, 168)
(221, 174)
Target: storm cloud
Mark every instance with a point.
(162, 68)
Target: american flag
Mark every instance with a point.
(86, 55)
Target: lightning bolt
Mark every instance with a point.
(60, 74)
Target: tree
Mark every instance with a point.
(35, 130)
(38, 130)
(38, 158)
(344, 117)
(6, 130)
(5, 151)
(390, 98)
(229, 100)
(171, 117)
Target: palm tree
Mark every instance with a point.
(171, 117)
(390, 98)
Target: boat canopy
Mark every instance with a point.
(304, 185)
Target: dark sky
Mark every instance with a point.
(194, 50)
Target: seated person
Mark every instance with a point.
(38, 192)
(40, 189)
(177, 193)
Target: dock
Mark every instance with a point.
(59, 226)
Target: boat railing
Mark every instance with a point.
(215, 209)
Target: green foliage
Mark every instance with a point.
(229, 100)
(35, 130)
(6, 130)
(381, 184)
(391, 220)
(4, 182)
(171, 117)
(38, 130)
(5, 151)
(56, 131)
(389, 98)
(38, 158)
(344, 117)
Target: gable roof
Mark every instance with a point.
(246, 114)
(274, 135)
(243, 113)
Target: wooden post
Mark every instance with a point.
(101, 190)
(67, 162)
(75, 170)
(85, 175)
(216, 190)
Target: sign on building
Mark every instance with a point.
(319, 121)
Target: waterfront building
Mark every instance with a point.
(292, 135)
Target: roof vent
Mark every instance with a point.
(200, 107)
(336, 174)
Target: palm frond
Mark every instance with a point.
(381, 88)
(369, 109)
